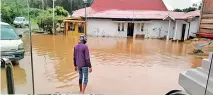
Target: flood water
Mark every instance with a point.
(121, 66)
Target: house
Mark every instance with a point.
(149, 18)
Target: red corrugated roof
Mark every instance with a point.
(136, 14)
(137, 9)
(102, 5)
(193, 13)
(81, 12)
(130, 14)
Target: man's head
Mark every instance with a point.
(83, 38)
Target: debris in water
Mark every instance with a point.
(197, 51)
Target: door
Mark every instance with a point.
(183, 32)
(130, 30)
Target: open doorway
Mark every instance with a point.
(183, 32)
(130, 29)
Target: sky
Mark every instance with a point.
(173, 4)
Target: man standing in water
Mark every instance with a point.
(82, 62)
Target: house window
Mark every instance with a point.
(142, 27)
(71, 26)
(120, 26)
(80, 28)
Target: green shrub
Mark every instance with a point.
(8, 14)
(34, 12)
(45, 18)
(45, 21)
(60, 11)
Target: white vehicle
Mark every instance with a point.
(11, 44)
(20, 22)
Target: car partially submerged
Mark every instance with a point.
(11, 44)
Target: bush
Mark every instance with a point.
(8, 14)
(34, 12)
(59, 11)
(45, 21)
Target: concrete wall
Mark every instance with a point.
(154, 29)
(137, 29)
(172, 29)
(105, 27)
(158, 29)
(194, 27)
(178, 29)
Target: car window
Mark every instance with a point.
(8, 33)
(18, 19)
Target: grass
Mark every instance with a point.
(36, 30)
(33, 21)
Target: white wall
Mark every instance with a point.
(194, 27)
(159, 29)
(155, 29)
(137, 29)
(172, 29)
(178, 29)
(105, 27)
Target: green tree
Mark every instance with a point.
(178, 10)
(193, 8)
(189, 9)
(60, 11)
(69, 5)
(45, 21)
(199, 7)
(186, 9)
(34, 12)
(8, 14)
(45, 18)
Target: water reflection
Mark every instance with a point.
(19, 77)
(56, 58)
(129, 63)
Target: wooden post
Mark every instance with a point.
(67, 28)
(85, 32)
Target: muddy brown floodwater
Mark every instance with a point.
(121, 66)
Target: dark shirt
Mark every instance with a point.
(81, 56)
